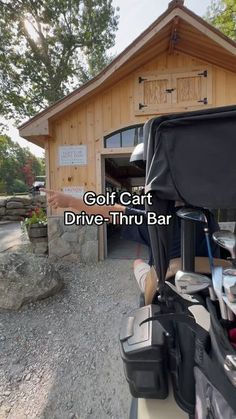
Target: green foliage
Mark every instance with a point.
(3, 187)
(37, 216)
(49, 47)
(13, 162)
(222, 15)
(19, 186)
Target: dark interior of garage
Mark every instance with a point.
(121, 176)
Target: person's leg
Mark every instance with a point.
(151, 285)
(147, 279)
(141, 269)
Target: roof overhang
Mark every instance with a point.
(177, 29)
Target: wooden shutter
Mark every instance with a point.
(191, 88)
(164, 92)
(151, 93)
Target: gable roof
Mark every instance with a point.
(177, 29)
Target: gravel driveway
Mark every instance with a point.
(60, 357)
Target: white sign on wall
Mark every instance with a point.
(77, 191)
(74, 155)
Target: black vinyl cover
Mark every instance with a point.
(190, 157)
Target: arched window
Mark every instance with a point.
(127, 137)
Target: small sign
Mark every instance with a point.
(77, 191)
(75, 155)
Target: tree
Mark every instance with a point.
(49, 47)
(222, 15)
(17, 166)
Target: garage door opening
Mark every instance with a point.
(122, 176)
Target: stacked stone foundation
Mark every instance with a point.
(16, 208)
(72, 243)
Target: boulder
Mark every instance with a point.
(26, 278)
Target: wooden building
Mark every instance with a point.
(180, 63)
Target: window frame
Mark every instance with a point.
(106, 137)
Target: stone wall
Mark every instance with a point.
(73, 243)
(16, 208)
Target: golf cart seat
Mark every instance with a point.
(202, 266)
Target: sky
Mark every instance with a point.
(135, 17)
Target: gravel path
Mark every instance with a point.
(60, 357)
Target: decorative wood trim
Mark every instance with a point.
(99, 189)
(174, 36)
(124, 151)
(208, 30)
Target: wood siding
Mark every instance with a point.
(114, 109)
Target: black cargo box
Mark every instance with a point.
(144, 353)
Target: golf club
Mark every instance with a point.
(195, 214)
(200, 313)
(217, 279)
(186, 297)
(191, 283)
(229, 284)
(227, 240)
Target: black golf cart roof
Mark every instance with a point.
(191, 157)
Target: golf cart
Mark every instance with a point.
(179, 353)
(37, 184)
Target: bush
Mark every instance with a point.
(3, 187)
(18, 186)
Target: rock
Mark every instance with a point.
(91, 233)
(70, 404)
(71, 228)
(26, 278)
(72, 258)
(89, 252)
(2, 210)
(70, 237)
(28, 377)
(39, 249)
(59, 248)
(54, 228)
(13, 218)
(3, 202)
(24, 200)
(16, 211)
(6, 393)
(14, 204)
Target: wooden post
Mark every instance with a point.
(47, 167)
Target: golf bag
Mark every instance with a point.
(164, 339)
(169, 339)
